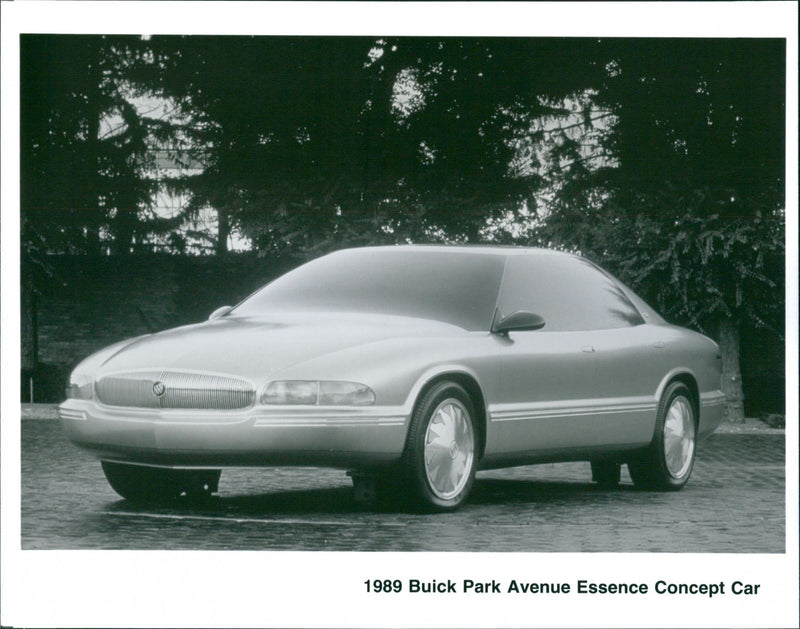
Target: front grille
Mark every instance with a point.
(169, 389)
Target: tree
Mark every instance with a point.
(275, 123)
(84, 155)
(312, 143)
(85, 144)
(690, 207)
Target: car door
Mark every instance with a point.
(554, 393)
(546, 385)
(547, 375)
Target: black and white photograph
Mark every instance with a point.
(339, 314)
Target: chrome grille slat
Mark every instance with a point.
(182, 390)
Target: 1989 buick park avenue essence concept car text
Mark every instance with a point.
(413, 366)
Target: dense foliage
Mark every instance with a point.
(87, 149)
(690, 208)
(311, 144)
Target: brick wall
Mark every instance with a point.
(89, 303)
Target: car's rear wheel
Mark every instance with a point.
(441, 450)
(139, 483)
(667, 464)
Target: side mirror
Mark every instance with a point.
(519, 320)
(219, 312)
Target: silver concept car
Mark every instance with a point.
(412, 366)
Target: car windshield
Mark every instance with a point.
(454, 287)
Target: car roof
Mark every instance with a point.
(499, 250)
(512, 250)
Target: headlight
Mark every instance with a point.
(80, 387)
(318, 393)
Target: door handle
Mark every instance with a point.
(658, 344)
(587, 349)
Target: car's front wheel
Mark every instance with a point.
(139, 483)
(441, 451)
(667, 464)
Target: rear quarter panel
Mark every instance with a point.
(699, 356)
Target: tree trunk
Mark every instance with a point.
(731, 374)
(28, 323)
(124, 228)
(93, 210)
(224, 230)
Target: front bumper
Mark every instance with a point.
(341, 437)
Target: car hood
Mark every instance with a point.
(258, 347)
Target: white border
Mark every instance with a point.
(130, 588)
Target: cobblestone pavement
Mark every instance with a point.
(734, 503)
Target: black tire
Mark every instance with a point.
(606, 473)
(667, 464)
(440, 475)
(139, 483)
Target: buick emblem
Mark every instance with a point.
(159, 388)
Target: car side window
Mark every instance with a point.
(570, 293)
